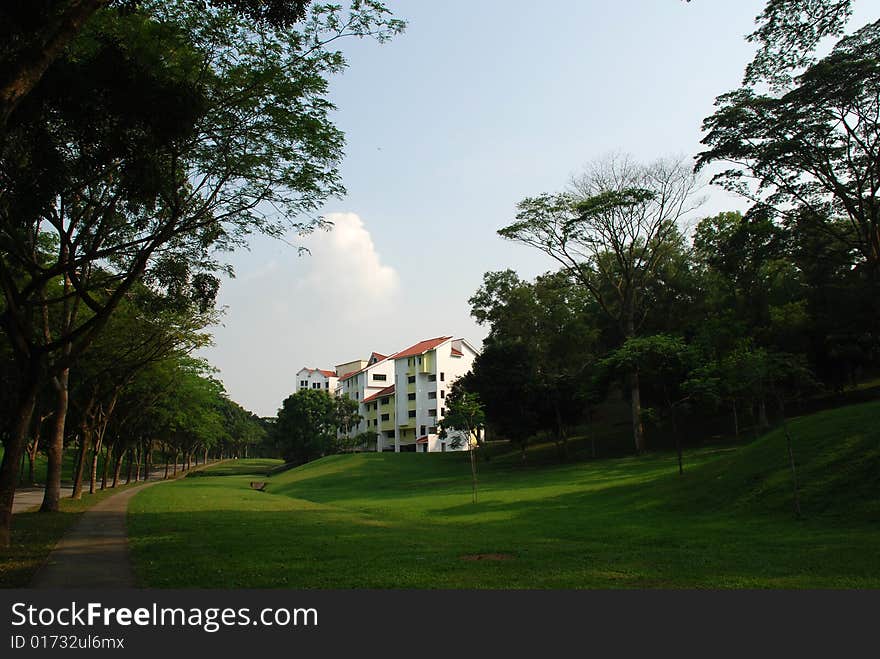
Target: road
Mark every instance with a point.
(30, 498)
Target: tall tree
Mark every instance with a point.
(244, 144)
(813, 149)
(33, 35)
(611, 235)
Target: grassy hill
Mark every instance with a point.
(406, 520)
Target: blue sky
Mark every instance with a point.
(477, 105)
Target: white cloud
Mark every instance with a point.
(344, 269)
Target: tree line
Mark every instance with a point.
(727, 318)
(140, 141)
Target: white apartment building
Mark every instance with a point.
(316, 378)
(359, 385)
(423, 374)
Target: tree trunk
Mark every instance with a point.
(130, 465)
(561, 439)
(55, 449)
(106, 467)
(176, 458)
(636, 412)
(94, 470)
(32, 449)
(12, 453)
(167, 464)
(46, 44)
(85, 442)
(31, 475)
(735, 421)
(791, 463)
(473, 471)
(138, 459)
(763, 423)
(117, 468)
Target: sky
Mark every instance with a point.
(479, 104)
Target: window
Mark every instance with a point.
(380, 377)
(409, 362)
(442, 411)
(410, 396)
(412, 414)
(411, 379)
(432, 394)
(385, 417)
(432, 377)
(384, 400)
(420, 360)
(303, 383)
(432, 412)
(432, 430)
(442, 376)
(423, 429)
(375, 422)
(442, 394)
(327, 385)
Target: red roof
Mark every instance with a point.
(326, 374)
(421, 347)
(387, 391)
(378, 356)
(457, 353)
(422, 440)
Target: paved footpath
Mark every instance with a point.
(30, 498)
(94, 553)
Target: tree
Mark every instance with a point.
(34, 35)
(463, 422)
(812, 149)
(662, 360)
(788, 33)
(551, 322)
(307, 425)
(611, 235)
(244, 144)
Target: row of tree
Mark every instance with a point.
(139, 141)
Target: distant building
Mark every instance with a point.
(316, 378)
(401, 397)
(423, 374)
(376, 374)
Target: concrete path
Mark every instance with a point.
(94, 553)
(30, 498)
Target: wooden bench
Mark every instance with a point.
(258, 485)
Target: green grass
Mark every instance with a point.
(407, 521)
(35, 534)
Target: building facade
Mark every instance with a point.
(423, 374)
(316, 378)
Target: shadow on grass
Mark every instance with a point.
(552, 544)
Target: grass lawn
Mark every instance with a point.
(407, 521)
